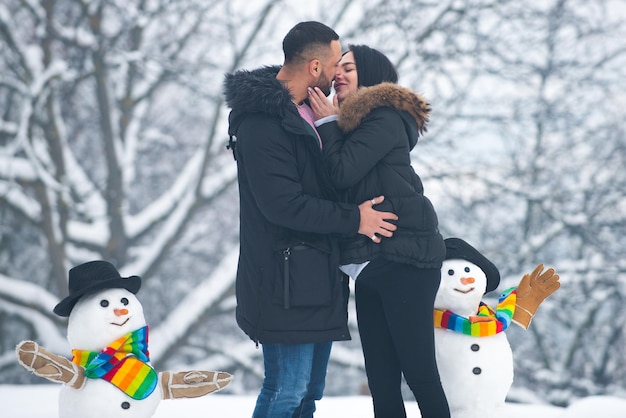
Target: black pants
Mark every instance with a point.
(394, 303)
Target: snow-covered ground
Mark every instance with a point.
(40, 401)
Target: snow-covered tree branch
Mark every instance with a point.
(112, 146)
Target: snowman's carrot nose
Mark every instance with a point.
(120, 312)
(467, 280)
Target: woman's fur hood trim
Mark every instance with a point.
(358, 105)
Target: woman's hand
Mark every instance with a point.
(320, 105)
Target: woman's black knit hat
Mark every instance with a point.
(373, 66)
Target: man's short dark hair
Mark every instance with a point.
(304, 37)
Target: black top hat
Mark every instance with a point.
(457, 248)
(93, 276)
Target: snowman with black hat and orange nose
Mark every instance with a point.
(110, 373)
(473, 354)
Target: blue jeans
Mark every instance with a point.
(295, 376)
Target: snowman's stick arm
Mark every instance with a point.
(192, 384)
(48, 365)
(533, 289)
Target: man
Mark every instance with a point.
(291, 296)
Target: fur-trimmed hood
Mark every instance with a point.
(358, 105)
(257, 91)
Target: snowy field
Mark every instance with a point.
(40, 401)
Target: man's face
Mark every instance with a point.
(327, 75)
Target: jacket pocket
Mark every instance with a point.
(304, 279)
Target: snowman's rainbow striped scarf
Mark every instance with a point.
(123, 364)
(487, 322)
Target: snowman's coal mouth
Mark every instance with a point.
(465, 291)
(122, 324)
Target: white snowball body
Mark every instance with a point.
(95, 322)
(476, 372)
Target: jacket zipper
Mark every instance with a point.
(286, 255)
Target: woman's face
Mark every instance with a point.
(346, 77)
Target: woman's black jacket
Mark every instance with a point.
(367, 154)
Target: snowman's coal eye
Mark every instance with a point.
(450, 272)
(124, 301)
(467, 269)
(104, 303)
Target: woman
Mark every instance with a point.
(366, 149)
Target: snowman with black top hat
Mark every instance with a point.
(110, 373)
(473, 354)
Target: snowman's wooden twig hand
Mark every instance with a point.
(533, 289)
(48, 365)
(192, 384)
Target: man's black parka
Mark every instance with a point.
(289, 288)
